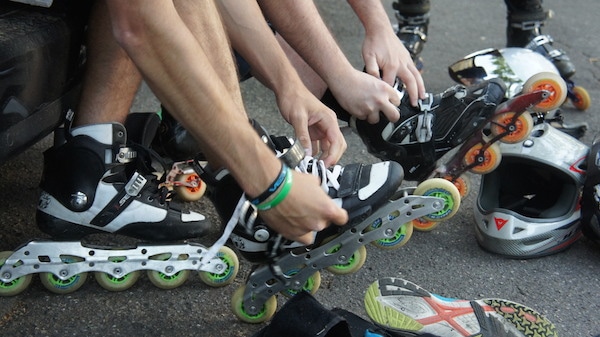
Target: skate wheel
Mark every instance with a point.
(113, 283)
(237, 306)
(550, 82)
(423, 225)
(522, 127)
(163, 281)
(462, 183)
(582, 99)
(58, 286)
(399, 239)
(441, 188)
(189, 187)
(311, 285)
(488, 162)
(15, 286)
(228, 275)
(353, 263)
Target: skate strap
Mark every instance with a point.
(120, 201)
(350, 181)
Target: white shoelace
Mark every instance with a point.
(329, 178)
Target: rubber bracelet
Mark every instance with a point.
(273, 188)
(279, 196)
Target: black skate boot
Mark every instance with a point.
(439, 124)
(413, 22)
(172, 140)
(359, 189)
(101, 183)
(524, 22)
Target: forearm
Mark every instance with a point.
(300, 24)
(372, 15)
(181, 76)
(251, 36)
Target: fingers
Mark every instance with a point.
(372, 67)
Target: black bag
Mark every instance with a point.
(304, 316)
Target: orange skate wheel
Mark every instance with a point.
(189, 187)
(423, 225)
(523, 126)
(462, 183)
(583, 100)
(550, 82)
(491, 158)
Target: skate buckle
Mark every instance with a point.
(424, 121)
(126, 155)
(539, 41)
(414, 31)
(135, 184)
(528, 25)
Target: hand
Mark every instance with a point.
(365, 96)
(386, 58)
(315, 125)
(305, 210)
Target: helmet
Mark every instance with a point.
(529, 206)
(590, 200)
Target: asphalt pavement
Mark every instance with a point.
(565, 287)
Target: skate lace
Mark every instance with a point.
(329, 177)
(145, 157)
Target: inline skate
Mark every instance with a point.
(379, 212)
(95, 180)
(525, 20)
(473, 118)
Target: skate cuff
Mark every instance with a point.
(279, 193)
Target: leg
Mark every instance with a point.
(111, 79)
(413, 23)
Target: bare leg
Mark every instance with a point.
(111, 79)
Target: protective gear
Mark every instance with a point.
(590, 200)
(529, 206)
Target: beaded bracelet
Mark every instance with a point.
(274, 186)
(279, 195)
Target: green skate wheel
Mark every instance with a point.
(312, 284)
(400, 238)
(228, 275)
(352, 265)
(112, 283)
(58, 286)
(441, 188)
(237, 306)
(163, 281)
(16, 286)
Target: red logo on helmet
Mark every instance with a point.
(500, 223)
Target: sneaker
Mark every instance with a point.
(403, 307)
(104, 184)
(427, 132)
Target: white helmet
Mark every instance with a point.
(529, 206)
